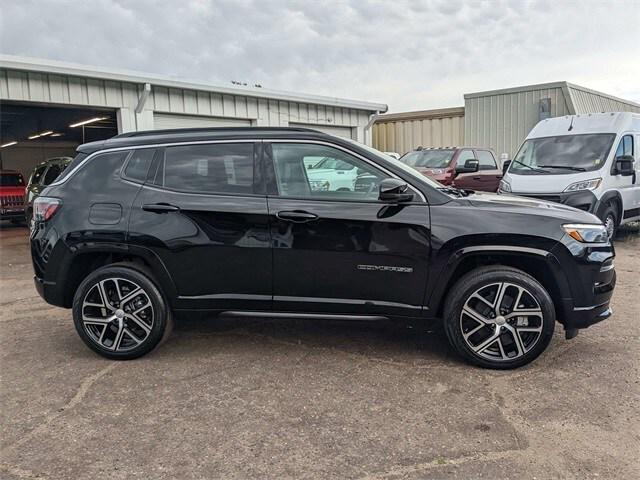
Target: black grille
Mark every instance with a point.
(547, 198)
(8, 201)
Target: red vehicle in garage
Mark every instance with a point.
(472, 168)
(12, 190)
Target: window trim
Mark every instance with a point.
(268, 163)
(262, 160)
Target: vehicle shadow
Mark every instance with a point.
(396, 341)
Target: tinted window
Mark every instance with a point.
(487, 162)
(339, 175)
(625, 147)
(37, 174)
(562, 155)
(79, 158)
(219, 168)
(52, 174)
(11, 180)
(138, 164)
(428, 158)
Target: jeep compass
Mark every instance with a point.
(230, 221)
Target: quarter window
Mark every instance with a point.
(336, 174)
(216, 168)
(138, 165)
(486, 160)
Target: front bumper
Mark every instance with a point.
(582, 200)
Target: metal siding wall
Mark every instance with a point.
(402, 136)
(502, 122)
(590, 102)
(80, 91)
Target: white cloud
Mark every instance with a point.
(411, 55)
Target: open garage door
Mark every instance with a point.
(33, 132)
(344, 132)
(163, 121)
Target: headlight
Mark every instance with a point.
(504, 186)
(319, 185)
(587, 233)
(584, 185)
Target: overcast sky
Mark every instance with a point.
(412, 55)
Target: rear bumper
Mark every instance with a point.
(48, 291)
(11, 214)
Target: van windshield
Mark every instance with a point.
(562, 155)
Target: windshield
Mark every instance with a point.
(428, 158)
(562, 155)
(11, 180)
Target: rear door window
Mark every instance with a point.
(216, 168)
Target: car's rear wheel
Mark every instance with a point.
(499, 317)
(120, 313)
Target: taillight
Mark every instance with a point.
(44, 208)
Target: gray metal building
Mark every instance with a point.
(499, 119)
(42, 99)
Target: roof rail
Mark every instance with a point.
(144, 133)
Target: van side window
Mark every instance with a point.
(215, 168)
(486, 160)
(625, 147)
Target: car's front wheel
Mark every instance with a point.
(120, 313)
(499, 317)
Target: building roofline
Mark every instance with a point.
(542, 86)
(13, 62)
(422, 114)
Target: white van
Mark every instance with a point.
(590, 162)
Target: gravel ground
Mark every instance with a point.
(298, 399)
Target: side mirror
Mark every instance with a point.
(505, 166)
(470, 166)
(394, 190)
(624, 165)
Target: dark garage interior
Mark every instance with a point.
(41, 132)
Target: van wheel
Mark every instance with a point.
(120, 313)
(499, 317)
(610, 220)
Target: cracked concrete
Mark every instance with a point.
(296, 399)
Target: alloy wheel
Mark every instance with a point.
(610, 225)
(501, 321)
(117, 314)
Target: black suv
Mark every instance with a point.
(149, 224)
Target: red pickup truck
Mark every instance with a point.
(12, 190)
(446, 165)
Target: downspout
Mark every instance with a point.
(372, 118)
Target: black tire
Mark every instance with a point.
(610, 214)
(128, 275)
(514, 279)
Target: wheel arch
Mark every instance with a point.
(540, 264)
(88, 259)
(611, 197)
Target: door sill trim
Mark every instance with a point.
(302, 316)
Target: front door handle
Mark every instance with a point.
(477, 178)
(160, 208)
(297, 216)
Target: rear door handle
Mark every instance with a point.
(477, 178)
(297, 216)
(160, 208)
